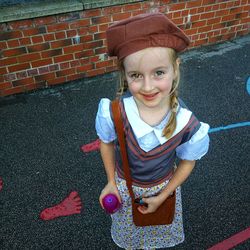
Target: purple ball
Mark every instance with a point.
(111, 203)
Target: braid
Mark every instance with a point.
(171, 125)
(123, 83)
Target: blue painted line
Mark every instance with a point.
(231, 126)
(248, 85)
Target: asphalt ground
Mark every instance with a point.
(41, 161)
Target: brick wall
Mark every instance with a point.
(41, 52)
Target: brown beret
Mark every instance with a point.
(143, 31)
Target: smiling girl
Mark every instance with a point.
(158, 127)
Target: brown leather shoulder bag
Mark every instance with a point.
(164, 215)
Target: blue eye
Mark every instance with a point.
(159, 73)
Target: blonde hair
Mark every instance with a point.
(123, 87)
(172, 122)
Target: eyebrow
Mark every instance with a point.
(157, 68)
(130, 72)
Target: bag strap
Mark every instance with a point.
(121, 139)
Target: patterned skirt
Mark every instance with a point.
(126, 235)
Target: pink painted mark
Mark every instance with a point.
(95, 145)
(232, 241)
(69, 206)
(1, 183)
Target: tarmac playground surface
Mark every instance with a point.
(41, 161)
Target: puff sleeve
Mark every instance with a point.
(103, 123)
(197, 146)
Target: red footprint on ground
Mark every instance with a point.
(91, 146)
(69, 206)
(1, 183)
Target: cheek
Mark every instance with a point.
(165, 85)
(134, 87)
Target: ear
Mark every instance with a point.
(176, 67)
(178, 61)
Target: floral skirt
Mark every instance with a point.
(126, 235)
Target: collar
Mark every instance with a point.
(141, 128)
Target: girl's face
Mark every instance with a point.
(150, 74)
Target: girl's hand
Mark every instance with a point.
(110, 188)
(152, 204)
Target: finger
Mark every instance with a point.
(101, 204)
(100, 201)
(119, 198)
(142, 209)
(145, 200)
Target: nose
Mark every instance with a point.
(147, 84)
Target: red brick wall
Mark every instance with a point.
(41, 52)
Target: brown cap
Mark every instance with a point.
(143, 31)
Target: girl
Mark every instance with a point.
(159, 128)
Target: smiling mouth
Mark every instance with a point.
(149, 96)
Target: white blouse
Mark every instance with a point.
(149, 137)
